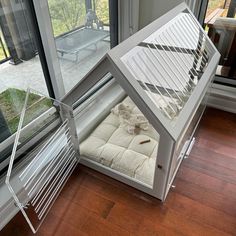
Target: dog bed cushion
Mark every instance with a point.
(111, 145)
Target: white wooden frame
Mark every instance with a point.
(174, 140)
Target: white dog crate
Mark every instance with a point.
(137, 109)
(135, 114)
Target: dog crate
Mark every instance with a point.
(137, 109)
(134, 115)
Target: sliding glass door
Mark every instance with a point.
(21, 66)
(51, 45)
(81, 31)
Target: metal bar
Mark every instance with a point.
(137, 76)
(54, 184)
(201, 57)
(177, 66)
(165, 47)
(183, 62)
(22, 175)
(47, 169)
(162, 74)
(184, 40)
(172, 69)
(211, 49)
(190, 31)
(150, 90)
(41, 202)
(196, 56)
(147, 77)
(70, 168)
(154, 78)
(47, 181)
(199, 29)
(31, 178)
(181, 65)
(172, 99)
(168, 73)
(186, 23)
(187, 58)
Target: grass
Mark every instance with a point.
(12, 101)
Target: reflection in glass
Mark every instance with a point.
(12, 102)
(170, 62)
(220, 23)
(81, 30)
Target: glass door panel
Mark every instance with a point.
(36, 182)
(220, 24)
(21, 66)
(82, 36)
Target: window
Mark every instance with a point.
(21, 67)
(81, 31)
(220, 24)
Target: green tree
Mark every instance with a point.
(66, 15)
(102, 10)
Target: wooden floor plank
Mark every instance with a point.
(216, 146)
(213, 158)
(203, 202)
(100, 227)
(204, 195)
(206, 181)
(201, 213)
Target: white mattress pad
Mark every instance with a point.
(111, 145)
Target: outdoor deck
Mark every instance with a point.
(30, 74)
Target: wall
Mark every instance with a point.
(149, 10)
(128, 18)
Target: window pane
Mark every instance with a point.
(18, 44)
(220, 23)
(20, 68)
(82, 37)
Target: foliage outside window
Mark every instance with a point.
(102, 10)
(68, 15)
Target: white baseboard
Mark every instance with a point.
(223, 98)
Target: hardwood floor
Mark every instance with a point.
(203, 203)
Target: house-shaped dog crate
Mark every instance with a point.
(137, 109)
(133, 117)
